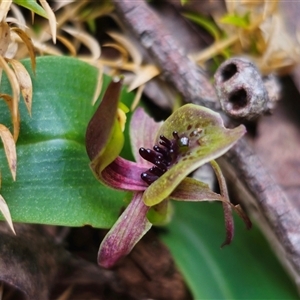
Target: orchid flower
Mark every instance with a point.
(165, 154)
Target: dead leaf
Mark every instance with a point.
(18, 16)
(51, 18)
(15, 120)
(4, 9)
(123, 52)
(60, 4)
(137, 97)
(67, 44)
(143, 75)
(133, 51)
(12, 50)
(16, 95)
(4, 37)
(44, 48)
(214, 49)
(27, 41)
(6, 214)
(10, 149)
(24, 82)
(89, 41)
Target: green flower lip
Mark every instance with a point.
(207, 140)
(199, 138)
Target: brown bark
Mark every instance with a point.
(244, 165)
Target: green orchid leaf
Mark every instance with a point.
(33, 6)
(205, 23)
(247, 269)
(238, 21)
(201, 137)
(54, 182)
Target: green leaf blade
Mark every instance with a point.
(54, 182)
(206, 23)
(32, 6)
(55, 186)
(247, 269)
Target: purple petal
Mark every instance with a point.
(229, 224)
(143, 131)
(122, 174)
(126, 232)
(191, 189)
(100, 126)
(243, 216)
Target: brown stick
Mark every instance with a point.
(189, 80)
(194, 86)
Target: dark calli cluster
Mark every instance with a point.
(162, 156)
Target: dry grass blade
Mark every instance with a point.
(13, 20)
(123, 52)
(4, 37)
(51, 18)
(59, 4)
(6, 214)
(143, 75)
(24, 82)
(68, 45)
(27, 41)
(16, 94)
(4, 8)
(99, 84)
(214, 49)
(133, 51)
(12, 50)
(15, 121)
(116, 65)
(104, 10)
(44, 48)
(90, 42)
(137, 97)
(265, 39)
(281, 51)
(10, 149)
(66, 294)
(69, 12)
(21, 21)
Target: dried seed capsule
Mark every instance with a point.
(241, 89)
